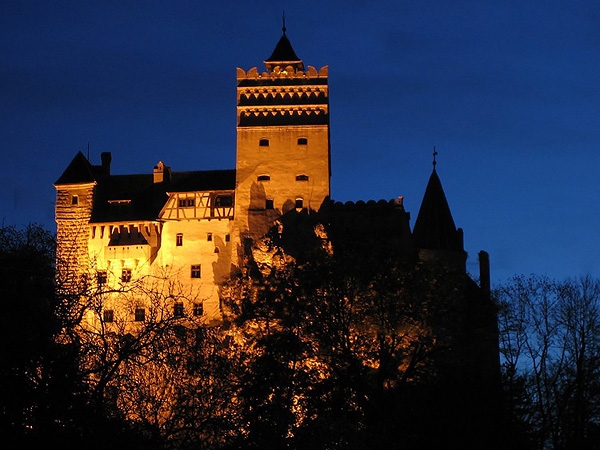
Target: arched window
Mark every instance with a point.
(299, 203)
(302, 177)
(263, 142)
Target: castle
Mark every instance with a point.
(190, 227)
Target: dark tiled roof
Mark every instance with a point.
(137, 197)
(434, 228)
(79, 170)
(283, 51)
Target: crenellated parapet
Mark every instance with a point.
(283, 96)
(279, 72)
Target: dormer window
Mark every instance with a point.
(302, 177)
(264, 177)
(263, 143)
(302, 141)
(186, 202)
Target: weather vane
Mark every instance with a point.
(434, 155)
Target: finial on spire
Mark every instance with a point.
(283, 28)
(434, 155)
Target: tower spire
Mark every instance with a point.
(283, 28)
(435, 153)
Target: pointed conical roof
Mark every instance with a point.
(283, 51)
(79, 170)
(434, 228)
(284, 55)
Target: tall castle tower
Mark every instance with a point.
(282, 160)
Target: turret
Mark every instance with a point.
(435, 234)
(282, 160)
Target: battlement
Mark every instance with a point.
(369, 204)
(278, 72)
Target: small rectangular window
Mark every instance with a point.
(302, 141)
(227, 238)
(140, 314)
(196, 271)
(223, 201)
(209, 237)
(178, 309)
(101, 277)
(75, 200)
(263, 178)
(198, 309)
(179, 239)
(126, 275)
(108, 315)
(269, 203)
(186, 202)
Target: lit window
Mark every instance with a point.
(178, 309)
(126, 275)
(269, 203)
(227, 238)
(302, 141)
(196, 271)
(75, 200)
(108, 315)
(223, 201)
(179, 239)
(263, 142)
(185, 202)
(264, 177)
(140, 314)
(302, 177)
(198, 309)
(299, 203)
(209, 237)
(101, 277)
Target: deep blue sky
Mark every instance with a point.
(508, 92)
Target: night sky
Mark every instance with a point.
(507, 92)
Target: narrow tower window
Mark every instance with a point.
(178, 309)
(263, 143)
(126, 275)
(140, 314)
(196, 271)
(198, 309)
(101, 277)
(179, 239)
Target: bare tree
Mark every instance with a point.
(550, 342)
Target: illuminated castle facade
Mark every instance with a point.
(187, 229)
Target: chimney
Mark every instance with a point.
(484, 272)
(161, 173)
(106, 159)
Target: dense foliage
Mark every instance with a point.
(316, 352)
